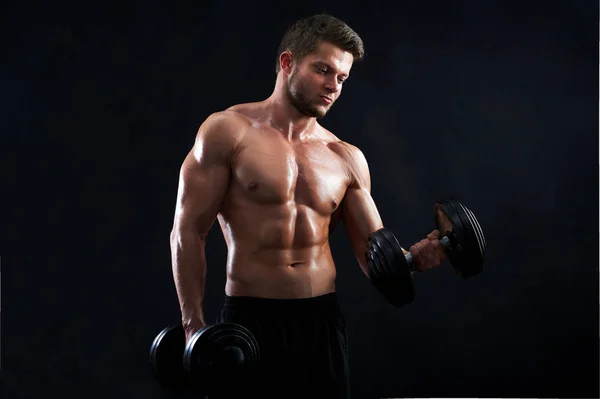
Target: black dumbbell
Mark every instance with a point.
(390, 270)
(214, 354)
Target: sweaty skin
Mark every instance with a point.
(277, 214)
(278, 183)
(276, 202)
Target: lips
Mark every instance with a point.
(327, 100)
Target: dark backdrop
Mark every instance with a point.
(494, 103)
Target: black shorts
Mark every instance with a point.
(303, 346)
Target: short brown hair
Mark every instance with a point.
(303, 37)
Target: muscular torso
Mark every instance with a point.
(282, 197)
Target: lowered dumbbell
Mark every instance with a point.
(390, 270)
(213, 355)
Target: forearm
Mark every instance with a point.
(189, 273)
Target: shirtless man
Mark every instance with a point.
(278, 182)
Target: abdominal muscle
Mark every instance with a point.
(278, 252)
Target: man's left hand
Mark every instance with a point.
(428, 253)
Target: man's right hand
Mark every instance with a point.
(191, 329)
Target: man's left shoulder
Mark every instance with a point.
(348, 152)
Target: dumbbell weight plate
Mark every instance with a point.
(388, 268)
(166, 354)
(468, 245)
(218, 354)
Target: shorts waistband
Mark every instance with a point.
(321, 302)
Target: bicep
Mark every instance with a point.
(202, 188)
(360, 214)
(361, 217)
(204, 178)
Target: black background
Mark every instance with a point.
(492, 102)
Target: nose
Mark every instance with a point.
(332, 85)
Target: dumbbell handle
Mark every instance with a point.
(445, 241)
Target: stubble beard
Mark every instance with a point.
(299, 101)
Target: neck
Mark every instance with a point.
(286, 118)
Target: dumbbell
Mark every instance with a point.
(214, 354)
(461, 235)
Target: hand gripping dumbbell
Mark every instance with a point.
(390, 270)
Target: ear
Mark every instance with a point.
(286, 62)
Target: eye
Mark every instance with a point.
(321, 70)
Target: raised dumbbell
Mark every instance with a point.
(390, 270)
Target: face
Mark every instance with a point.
(315, 83)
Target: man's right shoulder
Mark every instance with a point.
(222, 128)
(224, 122)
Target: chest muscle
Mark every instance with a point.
(280, 173)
